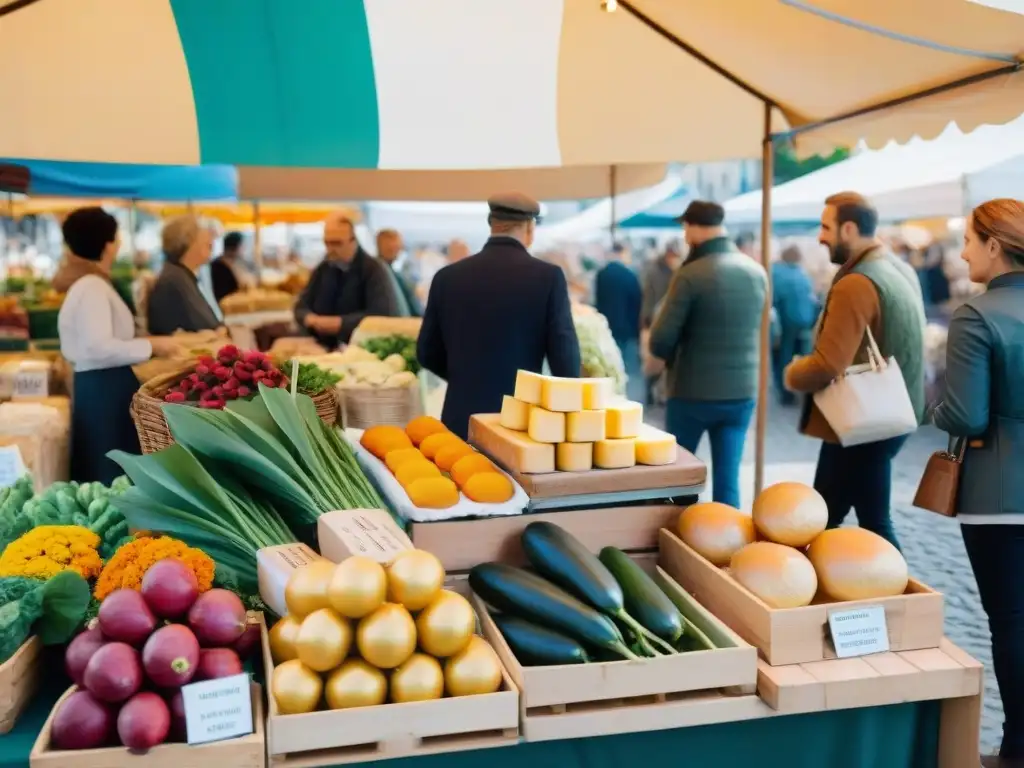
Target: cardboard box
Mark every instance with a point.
(274, 566)
(371, 533)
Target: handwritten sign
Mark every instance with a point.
(11, 465)
(32, 382)
(217, 709)
(859, 631)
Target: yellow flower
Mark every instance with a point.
(47, 550)
(130, 563)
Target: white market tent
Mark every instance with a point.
(945, 177)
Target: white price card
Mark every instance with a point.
(12, 466)
(859, 631)
(217, 709)
(32, 383)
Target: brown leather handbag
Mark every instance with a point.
(940, 482)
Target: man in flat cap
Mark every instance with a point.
(494, 313)
(346, 286)
(708, 332)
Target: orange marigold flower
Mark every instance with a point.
(129, 564)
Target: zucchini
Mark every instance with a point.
(560, 556)
(537, 646)
(530, 597)
(644, 598)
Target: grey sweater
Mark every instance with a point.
(709, 328)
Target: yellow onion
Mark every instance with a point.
(358, 587)
(282, 639)
(296, 688)
(473, 670)
(324, 640)
(445, 626)
(306, 590)
(420, 678)
(355, 684)
(414, 579)
(386, 637)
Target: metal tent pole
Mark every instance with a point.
(767, 172)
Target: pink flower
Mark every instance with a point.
(201, 386)
(231, 384)
(283, 383)
(243, 391)
(203, 370)
(175, 397)
(206, 360)
(212, 403)
(217, 391)
(243, 372)
(258, 376)
(222, 372)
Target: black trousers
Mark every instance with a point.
(100, 423)
(997, 559)
(859, 478)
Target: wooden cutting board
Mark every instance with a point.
(500, 444)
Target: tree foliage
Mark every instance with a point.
(787, 167)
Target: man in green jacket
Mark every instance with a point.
(709, 334)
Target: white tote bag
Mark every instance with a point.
(869, 402)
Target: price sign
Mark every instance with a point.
(859, 631)
(217, 709)
(11, 465)
(32, 383)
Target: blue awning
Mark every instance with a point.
(128, 181)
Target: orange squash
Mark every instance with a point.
(469, 465)
(431, 445)
(381, 440)
(423, 427)
(449, 454)
(488, 488)
(415, 470)
(396, 458)
(433, 493)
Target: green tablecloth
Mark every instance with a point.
(898, 736)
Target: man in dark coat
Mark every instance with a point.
(495, 313)
(222, 269)
(347, 286)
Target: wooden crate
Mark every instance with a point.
(389, 731)
(578, 700)
(945, 673)
(242, 752)
(19, 679)
(461, 544)
(797, 635)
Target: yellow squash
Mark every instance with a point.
(324, 640)
(420, 678)
(415, 579)
(445, 626)
(282, 639)
(295, 687)
(474, 670)
(306, 590)
(358, 587)
(387, 637)
(355, 684)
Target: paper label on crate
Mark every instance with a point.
(859, 631)
(12, 466)
(32, 382)
(217, 709)
(368, 532)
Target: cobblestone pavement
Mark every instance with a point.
(932, 544)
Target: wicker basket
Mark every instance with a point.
(148, 415)
(362, 408)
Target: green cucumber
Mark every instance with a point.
(560, 557)
(537, 646)
(644, 598)
(527, 595)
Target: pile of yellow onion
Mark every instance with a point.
(358, 634)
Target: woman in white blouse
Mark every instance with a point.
(97, 336)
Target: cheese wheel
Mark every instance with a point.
(779, 575)
(856, 564)
(716, 531)
(790, 513)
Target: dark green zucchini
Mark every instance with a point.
(645, 600)
(530, 597)
(537, 646)
(562, 558)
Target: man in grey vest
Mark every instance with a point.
(872, 289)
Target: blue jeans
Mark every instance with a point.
(726, 423)
(859, 477)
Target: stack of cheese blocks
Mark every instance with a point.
(589, 426)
